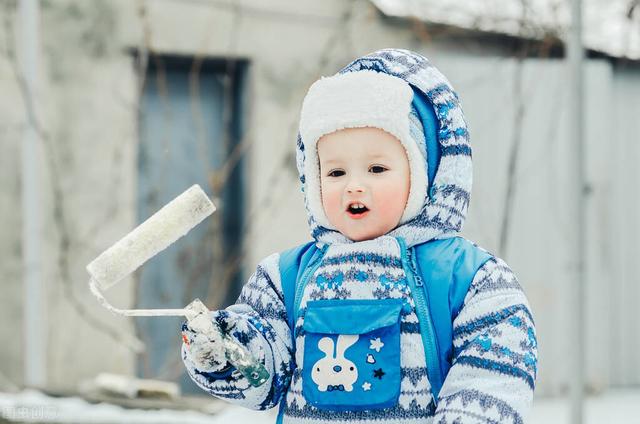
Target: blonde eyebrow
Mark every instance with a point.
(370, 156)
(328, 164)
(378, 156)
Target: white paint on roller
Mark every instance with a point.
(155, 234)
(164, 227)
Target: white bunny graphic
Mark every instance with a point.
(335, 373)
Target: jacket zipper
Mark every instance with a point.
(427, 332)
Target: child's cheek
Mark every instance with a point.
(331, 201)
(394, 201)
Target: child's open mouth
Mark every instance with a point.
(357, 210)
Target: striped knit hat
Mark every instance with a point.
(390, 90)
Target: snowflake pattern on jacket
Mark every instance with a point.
(494, 361)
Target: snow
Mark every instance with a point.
(36, 407)
(606, 26)
(614, 406)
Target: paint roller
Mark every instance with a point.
(155, 234)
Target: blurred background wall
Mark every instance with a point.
(137, 100)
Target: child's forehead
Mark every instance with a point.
(366, 143)
(340, 155)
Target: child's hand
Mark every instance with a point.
(205, 350)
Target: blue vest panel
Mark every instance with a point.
(292, 264)
(446, 266)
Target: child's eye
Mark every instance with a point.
(377, 169)
(336, 173)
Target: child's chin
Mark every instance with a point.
(363, 237)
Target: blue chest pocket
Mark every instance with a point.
(352, 353)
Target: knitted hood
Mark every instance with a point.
(439, 155)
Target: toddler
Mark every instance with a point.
(387, 315)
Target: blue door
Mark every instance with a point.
(185, 137)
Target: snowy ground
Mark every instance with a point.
(612, 407)
(32, 406)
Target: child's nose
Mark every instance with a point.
(355, 186)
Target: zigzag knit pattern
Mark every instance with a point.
(494, 359)
(495, 353)
(495, 349)
(367, 270)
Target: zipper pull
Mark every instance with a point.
(414, 267)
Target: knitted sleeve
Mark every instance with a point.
(258, 320)
(494, 353)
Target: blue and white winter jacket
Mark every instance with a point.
(494, 352)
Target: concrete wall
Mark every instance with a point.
(11, 126)
(85, 106)
(88, 104)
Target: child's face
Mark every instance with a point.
(367, 166)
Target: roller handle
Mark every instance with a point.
(198, 319)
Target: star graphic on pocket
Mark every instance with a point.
(366, 386)
(376, 344)
(378, 373)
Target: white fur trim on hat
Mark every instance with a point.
(354, 100)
